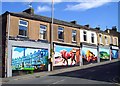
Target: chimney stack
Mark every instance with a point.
(98, 28)
(114, 28)
(87, 25)
(29, 11)
(73, 22)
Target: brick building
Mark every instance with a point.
(26, 43)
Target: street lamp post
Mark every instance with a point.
(51, 47)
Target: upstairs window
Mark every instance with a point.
(92, 38)
(23, 26)
(106, 40)
(60, 33)
(84, 35)
(111, 40)
(74, 34)
(43, 32)
(100, 39)
(115, 41)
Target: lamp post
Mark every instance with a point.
(51, 46)
(8, 70)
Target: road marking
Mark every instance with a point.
(58, 81)
(117, 83)
(92, 70)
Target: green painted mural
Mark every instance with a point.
(104, 53)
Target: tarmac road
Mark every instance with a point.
(103, 74)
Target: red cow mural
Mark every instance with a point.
(71, 55)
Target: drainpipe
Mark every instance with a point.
(98, 58)
(110, 52)
(119, 54)
(81, 59)
(7, 58)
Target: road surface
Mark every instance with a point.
(104, 74)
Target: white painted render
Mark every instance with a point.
(88, 36)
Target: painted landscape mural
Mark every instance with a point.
(114, 54)
(29, 58)
(89, 55)
(104, 53)
(65, 56)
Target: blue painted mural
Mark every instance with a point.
(89, 54)
(114, 54)
(29, 58)
(104, 53)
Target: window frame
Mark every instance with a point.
(44, 30)
(111, 40)
(74, 34)
(92, 38)
(84, 36)
(23, 26)
(62, 32)
(106, 40)
(100, 39)
(115, 41)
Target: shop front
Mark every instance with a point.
(26, 57)
(66, 56)
(104, 53)
(114, 52)
(89, 54)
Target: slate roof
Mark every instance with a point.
(56, 21)
(44, 19)
(113, 33)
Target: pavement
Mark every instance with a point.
(50, 73)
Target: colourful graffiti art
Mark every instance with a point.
(89, 54)
(66, 56)
(29, 58)
(104, 53)
(114, 54)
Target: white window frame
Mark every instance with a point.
(106, 40)
(100, 39)
(86, 35)
(115, 41)
(93, 35)
(111, 40)
(41, 29)
(73, 35)
(24, 26)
